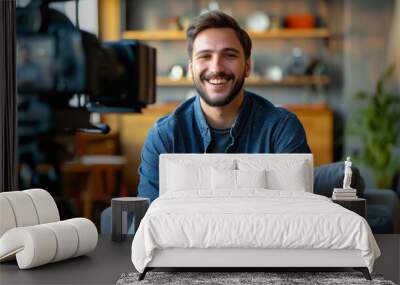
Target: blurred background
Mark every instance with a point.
(332, 62)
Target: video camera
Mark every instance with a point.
(58, 61)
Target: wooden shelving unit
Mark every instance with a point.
(175, 35)
(172, 35)
(286, 81)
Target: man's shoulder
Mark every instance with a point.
(263, 107)
(182, 112)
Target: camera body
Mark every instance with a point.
(58, 61)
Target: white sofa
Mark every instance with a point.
(31, 231)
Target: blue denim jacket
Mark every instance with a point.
(259, 128)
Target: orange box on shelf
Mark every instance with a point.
(300, 21)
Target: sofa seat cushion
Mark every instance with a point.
(379, 219)
(383, 209)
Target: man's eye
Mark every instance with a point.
(231, 55)
(203, 56)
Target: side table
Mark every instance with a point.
(357, 205)
(121, 207)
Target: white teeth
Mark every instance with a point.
(217, 81)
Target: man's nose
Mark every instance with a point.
(216, 63)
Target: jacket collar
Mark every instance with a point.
(244, 113)
(199, 115)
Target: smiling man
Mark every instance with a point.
(223, 118)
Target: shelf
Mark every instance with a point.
(303, 80)
(155, 35)
(172, 35)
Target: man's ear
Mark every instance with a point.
(190, 68)
(248, 67)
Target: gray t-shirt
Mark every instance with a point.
(220, 140)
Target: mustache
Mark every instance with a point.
(208, 76)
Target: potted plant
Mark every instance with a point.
(377, 127)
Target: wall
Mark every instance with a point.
(87, 10)
(366, 30)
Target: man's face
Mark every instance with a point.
(218, 66)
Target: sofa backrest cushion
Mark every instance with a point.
(329, 176)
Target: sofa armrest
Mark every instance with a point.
(388, 199)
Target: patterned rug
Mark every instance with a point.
(230, 278)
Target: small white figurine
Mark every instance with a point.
(347, 174)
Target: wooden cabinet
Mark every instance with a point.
(133, 130)
(318, 124)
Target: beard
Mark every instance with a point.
(233, 93)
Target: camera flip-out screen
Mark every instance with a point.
(35, 64)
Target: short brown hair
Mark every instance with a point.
(217, 19)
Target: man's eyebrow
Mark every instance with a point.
(203, 51)
(231, 50)
(223, 50)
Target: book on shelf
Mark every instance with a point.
(336, 197)
(341, 190)
(345, 194)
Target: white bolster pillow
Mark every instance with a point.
(33, 246)
(67, 240)
(45, 205)
(7, 219)
(23, 209)
(87, 235)
(40, 244)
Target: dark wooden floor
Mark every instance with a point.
(106, 264)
